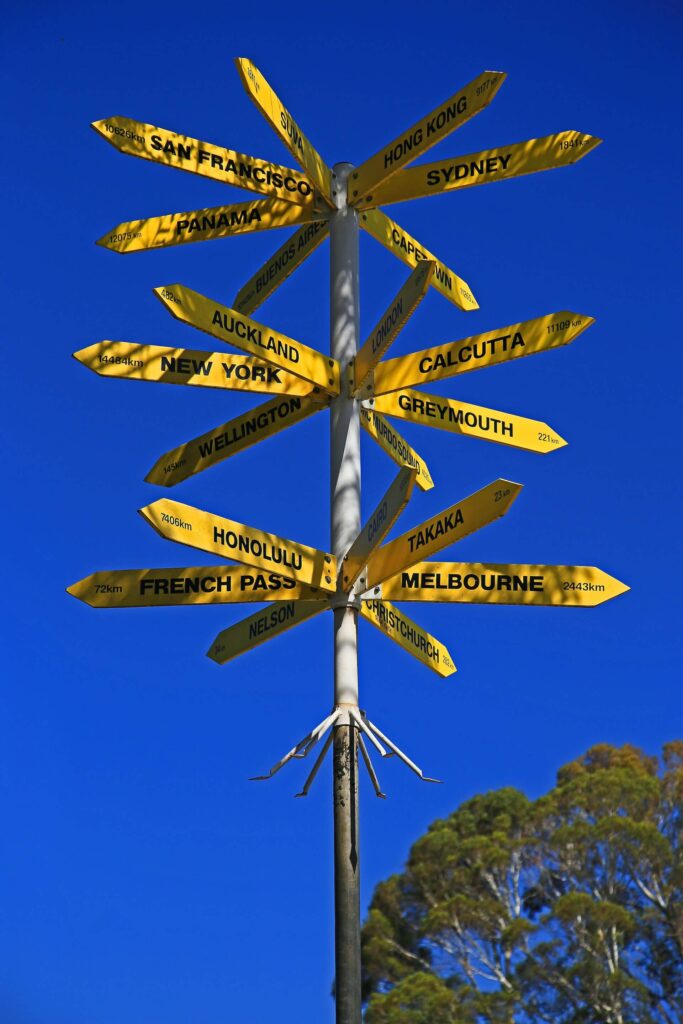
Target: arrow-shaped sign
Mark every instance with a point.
(403, 245)
(458, 172)
(392, 321)
(185, 524)
(417, 641)
(424, 134)
(204, 225)
(206, 159)
(570, 586)
(378, 526)
(469, 420)
(442, 530)
(230, 438)
(280, 265)
(131, 361)
(480, 350)
(209, 584)
(280, 119)
(396, 446)
(261, 626)
(234, 328)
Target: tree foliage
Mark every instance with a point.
(566, 910)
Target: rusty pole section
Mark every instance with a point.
(345, 526)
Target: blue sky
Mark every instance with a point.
(144, 878)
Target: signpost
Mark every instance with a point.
(203, 158)
(396, 447)
(281, 264)
(490, 349)
(189, 366)
(378, 525)
(442, 530)
(261, 626)
(392, 321)
(282, 122)
(230, 438)
(424, 134)
(409, 250)
(234, 328)
(471, 420)
(544, 154)
(203, 225)
(359, 575)
(396, 625)
(567, 586)
(209, 584)
(188, 525)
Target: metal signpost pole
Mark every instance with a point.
(359, 574)
(345, 526)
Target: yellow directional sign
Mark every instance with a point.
(571, 586)
(274, 111)
(403, 245)
(203, 225)
(188, 154)
(262, 626)
(236, 329)
(442, 361)
(469, 420)
(230, 438)
(209, 584)
(424, 134)
(208, 532)
(132, 361)
(280, 265)
(422, 645)
(442, 530)
(392, 321)
(378, 526)
(395, 446)
(479, 168)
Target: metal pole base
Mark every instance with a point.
(359, 729)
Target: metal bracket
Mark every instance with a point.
(359, 586)
(348, 598)
(350, 378)
(374, 594)
(356, 719)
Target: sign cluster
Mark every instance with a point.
(294, 580)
